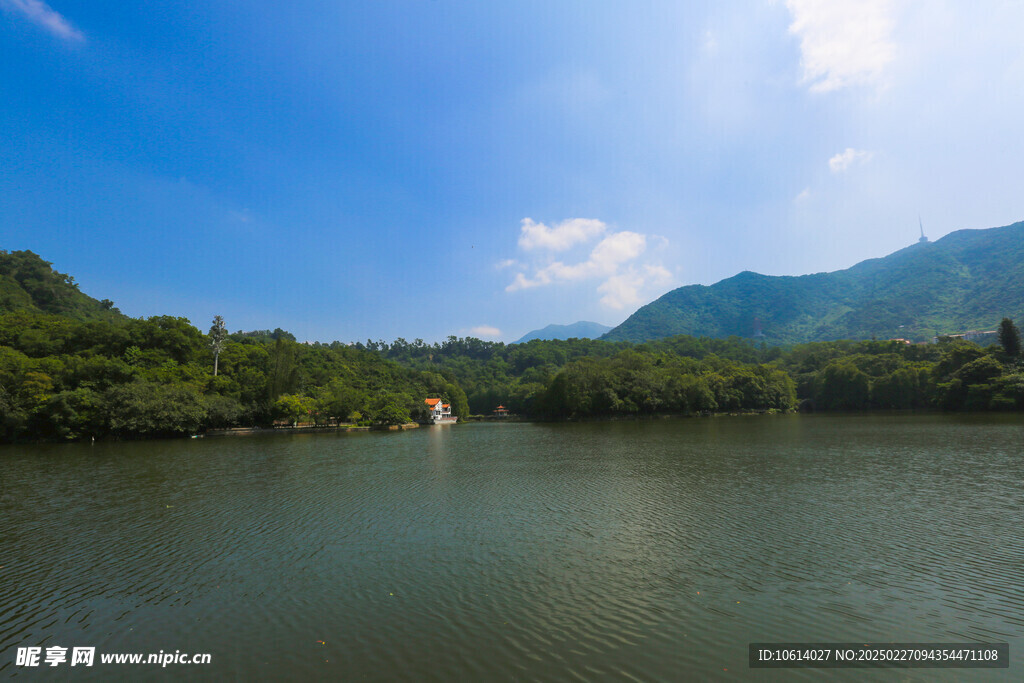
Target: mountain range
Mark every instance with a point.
(969, 279)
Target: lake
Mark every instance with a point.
(649, 550)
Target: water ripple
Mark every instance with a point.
(637, 551)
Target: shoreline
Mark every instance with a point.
(515, 419)
(245, 431)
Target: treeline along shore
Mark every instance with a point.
(72, 368)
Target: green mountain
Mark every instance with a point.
(72, 367)
(579, 330)
(969, 279)
(28, 283)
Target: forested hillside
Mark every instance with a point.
(63, 378)
(967, 280)
(72, 367)
(28, 283)
(74, 376)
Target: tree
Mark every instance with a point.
(387, 410)
(843, 386)
(294, 407)
(1009, 337)
(218, 333)
(150, 409)
(282, 369)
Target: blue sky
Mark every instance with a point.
(416, 169)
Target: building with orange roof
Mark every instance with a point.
(440, 413)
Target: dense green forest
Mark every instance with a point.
(554, 378)
(684, 375)
(967, 280)
(72, 367)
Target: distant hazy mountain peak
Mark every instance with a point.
(579, 330)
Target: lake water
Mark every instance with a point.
(619, 550)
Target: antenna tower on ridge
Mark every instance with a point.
(923, 238)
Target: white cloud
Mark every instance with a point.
(617, 248)
(847, 158)
(843, 43)
(623, 289)
(522, 282)
(485, 331)
(39, 13)
(559, 238)
(604, 261)
(658, 275)
(506, 263)
(613, 260)
(804, 195)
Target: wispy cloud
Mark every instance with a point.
(843, 43)
(40, 14)
(485, 331)
(612, 260)
(847, 158)
(804, 195)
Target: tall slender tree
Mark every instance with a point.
(218, 334)
(1009, 337)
